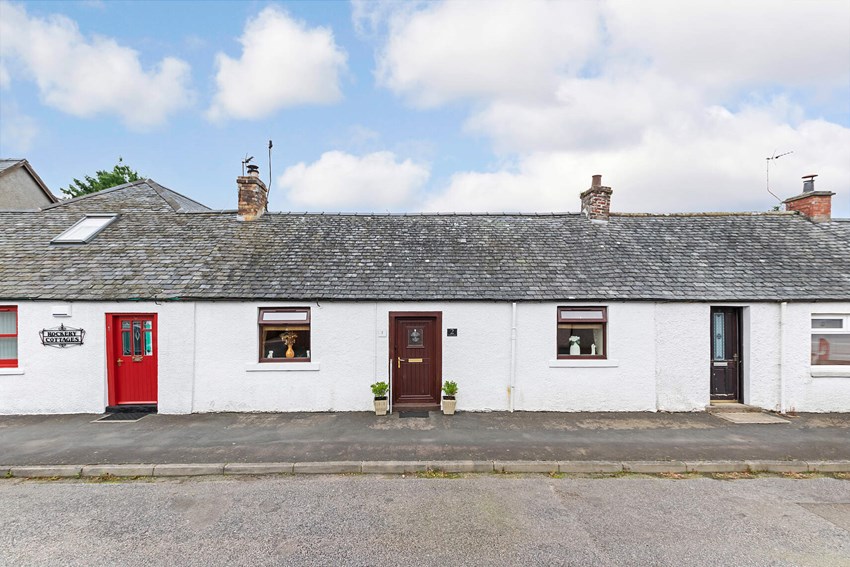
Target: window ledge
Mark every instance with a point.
(281, 366)
(565, 363)
(11, 371)
(831, 372)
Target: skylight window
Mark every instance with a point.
(84, 230)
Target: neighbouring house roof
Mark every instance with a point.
(166, 246)
(14, 198)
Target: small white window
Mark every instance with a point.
(830, 340)
(85, 229)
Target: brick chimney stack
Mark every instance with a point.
(816, 205)
(596, 201)
(253, 195)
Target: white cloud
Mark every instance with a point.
(678, 104)
(713, 162)
(90, 76)
(283, 63)
(341, 181)
(463, 49)
(722, 45)
(5, 79)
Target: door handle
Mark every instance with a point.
(400, 360)
(118, 362)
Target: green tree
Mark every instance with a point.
(121, 173)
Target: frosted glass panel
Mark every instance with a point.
(719, 337)
(8, 348)
(7, 322)
(290, 316)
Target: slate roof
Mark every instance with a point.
(166, 246)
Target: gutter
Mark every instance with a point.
(512, 385)
(782, 307)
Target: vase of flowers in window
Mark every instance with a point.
(575, 349)
(379, 390)
(449, 393)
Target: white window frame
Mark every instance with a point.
(63, 239)
(842, 370)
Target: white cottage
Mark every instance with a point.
(139, 296)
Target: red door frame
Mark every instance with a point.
(438, 345)
(110, 350)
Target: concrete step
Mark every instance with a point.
(731, 407)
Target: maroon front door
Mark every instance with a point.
(726, 353)
(416, 353)
(131, 358)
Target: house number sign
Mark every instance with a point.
(62, 336)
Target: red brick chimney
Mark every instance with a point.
(596, 201)
(253, 195)
(816, 205)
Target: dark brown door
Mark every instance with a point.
(416, 353)
(726, 353)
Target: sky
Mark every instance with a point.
(437, 106)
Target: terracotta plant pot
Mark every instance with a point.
(381, 405)
(449, 404)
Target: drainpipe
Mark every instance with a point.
(512, 389)
(782, 307)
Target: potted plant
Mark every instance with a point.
(379, 389)
(449, 401)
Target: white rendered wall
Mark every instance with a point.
(625, 382)
(805, 390)
(73, 379)
(682, 370)
(207, 354)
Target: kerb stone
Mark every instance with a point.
(118, 470)
(818, 466)
(258, 468)
(42, 471)
(654, 467)
(329, 467)
(191, 469)
(778, 466)
(590, 467)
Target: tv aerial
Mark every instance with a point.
(767, 174)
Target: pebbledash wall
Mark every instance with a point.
(207, 355)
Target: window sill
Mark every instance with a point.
(281, 366)
(585, 363)
(11, 371)
(831, 372)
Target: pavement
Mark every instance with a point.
(360, 442)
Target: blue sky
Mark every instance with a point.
(460, 106)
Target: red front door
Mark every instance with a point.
(131, 358)
(417, 359)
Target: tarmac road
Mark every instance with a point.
(395, 520)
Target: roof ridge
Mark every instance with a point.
(101, 192)
(408, 214)
(711, 214)
(161, 189)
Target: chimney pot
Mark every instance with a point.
(597, 181)
(254, 170)
(809, 183)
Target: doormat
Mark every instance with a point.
(126, 417)
(414, 414)
(749, 417)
